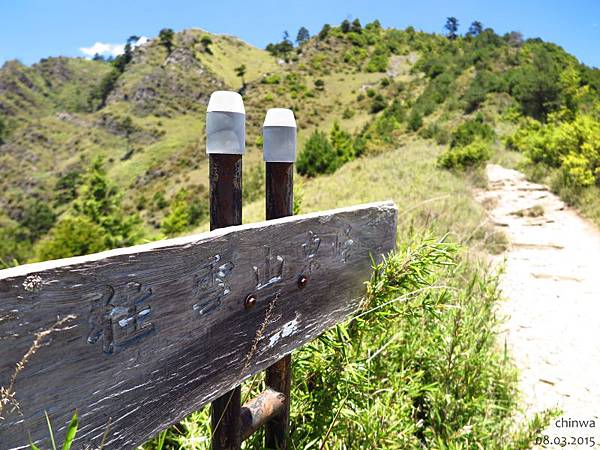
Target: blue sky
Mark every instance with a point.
(33, 29)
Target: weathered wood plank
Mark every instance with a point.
(153, 332)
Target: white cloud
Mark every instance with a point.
(141, 41)
(105, 49)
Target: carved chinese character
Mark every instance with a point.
(119, 316)
(310, 250)
(270, 271)
(334, 244)
(343, 244)
(211, 284)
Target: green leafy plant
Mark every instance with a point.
(165, 37)
(318, 156)
(185, 211)
(471, 155)
(470, 131)
(378, 104)
(415, 120)
(95, 222)
(325, 155)
(69, 437)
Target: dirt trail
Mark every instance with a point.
(552, 289)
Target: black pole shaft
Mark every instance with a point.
(280, 203)
(225, 174)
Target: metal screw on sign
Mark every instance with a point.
(250, 301)
(302, 281)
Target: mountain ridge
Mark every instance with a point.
(144, 112)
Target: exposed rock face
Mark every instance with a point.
(73, 119)
(55, 71)
(50, 85)
(125, 128)
(180, 84)
(184, 58)
(19, 89)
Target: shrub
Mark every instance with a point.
(97, 220)
(273, 78)
(441, 136)
(415, 120)
(66, 187)
(348, 113)
(324, 32)
(396, 111)
(159, 200)
(360, 145)
(178, 218)
(483, 83)
(72, 236)
(341, 141)
(38, 218)
(471, 130)
(472, 155)
(573, 146)
(317, 156)
(378, 104)
(206, 42)
(325, 155)
(578, 171)
(185, 211)
(355, 56)
(101, 201)
(15, 246)
(379, 59)
(436, 132)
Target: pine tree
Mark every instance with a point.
(345, 26)
(356, 27)
(240, 71)
(303, 36)
(451, 27)
(166, 39)
(475, 29)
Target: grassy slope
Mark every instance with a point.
(229, 52)
(428, 198)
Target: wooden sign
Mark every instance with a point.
(137, 338)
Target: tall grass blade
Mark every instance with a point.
(71, 432)
(50, 430)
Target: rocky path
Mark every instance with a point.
(552, 289)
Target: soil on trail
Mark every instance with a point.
(551, 285)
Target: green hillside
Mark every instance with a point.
(381, 88)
